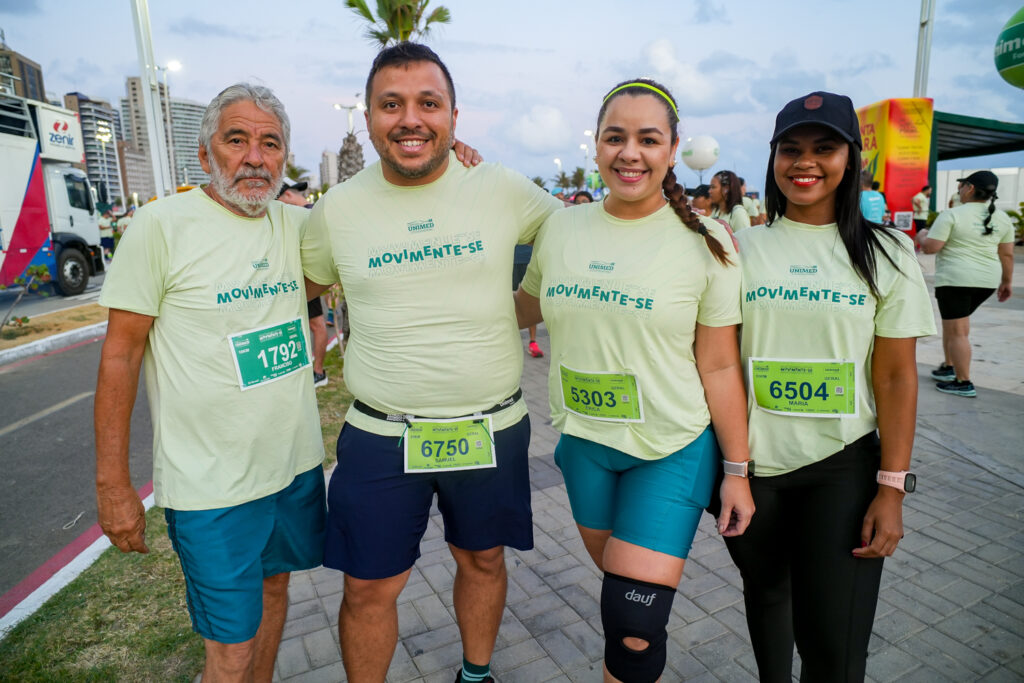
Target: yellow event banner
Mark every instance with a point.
(897, 136)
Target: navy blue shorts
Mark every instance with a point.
(377, 513)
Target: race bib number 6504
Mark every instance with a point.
(804, 388)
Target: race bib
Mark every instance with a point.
(805, 388)
(609, 396)
(269, 353)
(449, 445)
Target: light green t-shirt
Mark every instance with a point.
(803, 301)
(751, 207)
(106, 227)
(205, 273)
(624, 296)
(920, 206)
(426, 272)
(738, 218)
(970, 257)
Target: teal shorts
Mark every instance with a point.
(226, 553)
(655, 504)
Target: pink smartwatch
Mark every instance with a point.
(903, 481)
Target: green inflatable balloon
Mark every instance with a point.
(1009, 51)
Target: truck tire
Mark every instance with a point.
(72, 272)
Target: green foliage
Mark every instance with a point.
(1018, 222)
(350, 158)
(562, 180)
(397, 21)
(578, 178)
(296, 173)
(539, 182)
(37, 275)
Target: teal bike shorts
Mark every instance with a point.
(226, 553)
(655, 504)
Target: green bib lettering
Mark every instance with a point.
(610, 396)
(807, 388)
(449, 445)
(269, 353)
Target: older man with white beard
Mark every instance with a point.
(207, 289)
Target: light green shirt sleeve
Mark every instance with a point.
(720, 302)
(317, 254)
(533, 203)
(739, 219)
(942, 226)
(531, 281)
(137, 278)
(905, 308)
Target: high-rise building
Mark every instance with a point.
(99, 136)
(28, 74)
(186, 117)
(133, 122)
(329, 168)
(137, 173)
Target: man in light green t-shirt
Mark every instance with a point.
(424, 249)
(206, 289)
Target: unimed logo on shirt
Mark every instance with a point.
(803, 270)
(604, 266)
(419, 226)
(262, 264)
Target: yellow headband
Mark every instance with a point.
(649, 87)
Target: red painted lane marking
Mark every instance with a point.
(33, 581)
(24, 361)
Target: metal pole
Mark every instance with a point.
(924, 47)
(149, 91)
(170, 131)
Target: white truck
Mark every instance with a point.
(47, 212)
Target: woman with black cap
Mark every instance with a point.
(832, 306)
(974, 247)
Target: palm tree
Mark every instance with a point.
(578, 178)
(539, 182)
(296, 173)
(350, 158)
(561, 180)
(398, 20)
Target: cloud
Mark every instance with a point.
(21, 7)
(202, 29)
(493, 48)
(863, 64)
(542, 130)
(710, 12)
(698, 88)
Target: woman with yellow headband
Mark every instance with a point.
(641, 298)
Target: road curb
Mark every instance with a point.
(57, 341)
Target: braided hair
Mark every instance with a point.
(674, 192)
(980, 194)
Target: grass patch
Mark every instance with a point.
(125, 617)
(49, 324)
(334, 400)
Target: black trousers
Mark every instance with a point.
(801, 582)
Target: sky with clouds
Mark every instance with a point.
(530, 75)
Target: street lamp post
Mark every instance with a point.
(104, 136)
(586, 157)
(173, 65)
(350, 108)
(588, 135)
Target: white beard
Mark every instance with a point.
(252, 203)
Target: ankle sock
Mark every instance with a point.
(473, 673)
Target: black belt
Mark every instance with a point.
(403, 417)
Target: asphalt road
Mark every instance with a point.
(35, 303)
(47, 461)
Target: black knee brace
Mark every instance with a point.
(631, 608)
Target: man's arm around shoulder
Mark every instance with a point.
(121, 513)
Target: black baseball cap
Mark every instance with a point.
(289, 184)
(983, 180)
(821, 108)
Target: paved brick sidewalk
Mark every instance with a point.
(952, 599)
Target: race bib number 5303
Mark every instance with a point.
(609, 396)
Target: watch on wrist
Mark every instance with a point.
(902, 481)
(739, 469)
